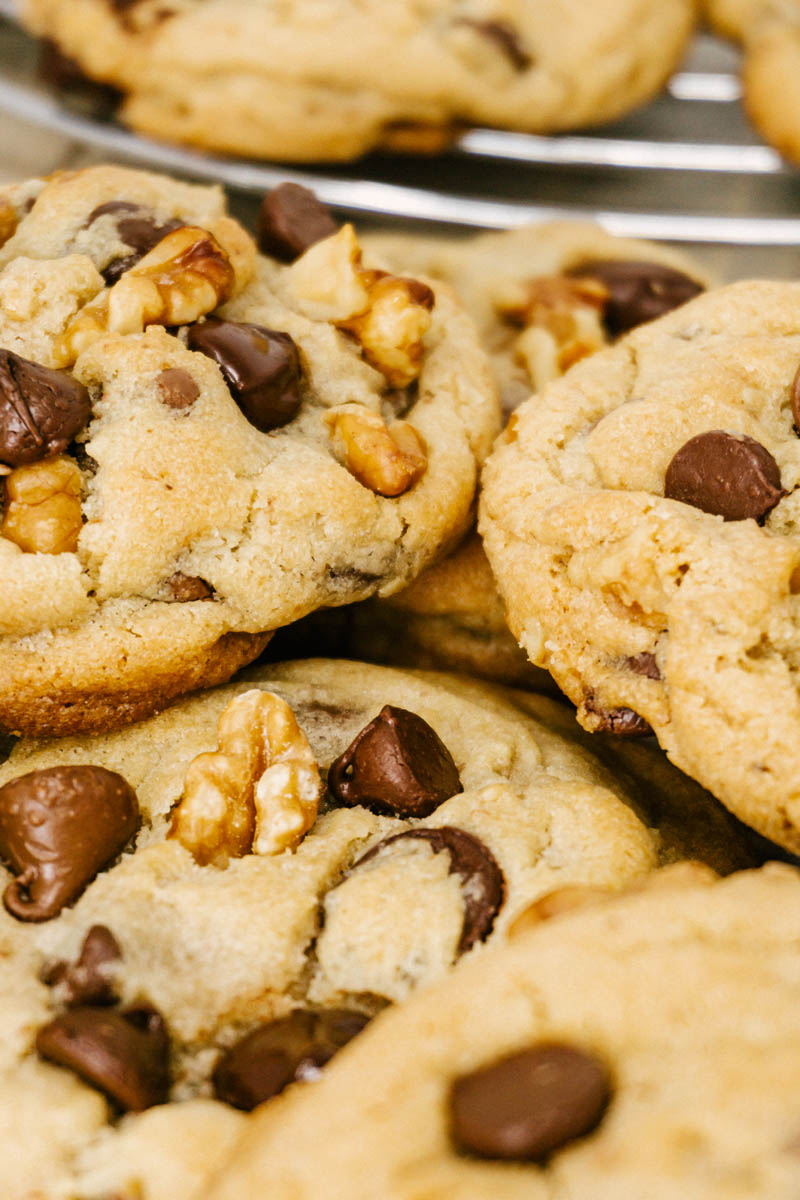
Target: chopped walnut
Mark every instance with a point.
(43, 506)
(8, 221)
(388, 459)
(185, 276)
(257, 793)
(562, 323)
(388, 315)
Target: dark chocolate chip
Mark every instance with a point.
(638, 291)
(185, 588)
(529, 1104)
(176, 388)
(137, 227)
(260, 366)
(88, 980)
(123, 1054)
(505, 36)
(294, 1048)
(621, 722)
(644, 664)
(290, 220)
(795, 397)
(397, 764)
(730, 475)
(58, 828)
(41, 410)
(482, 880)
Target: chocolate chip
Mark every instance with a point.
(290, 220)
(638, 291)
(795, 398)
(41, 410)
(482, 880)
(176, 388)
(505, 36)
(643, 664)
(58, 70)
(397, 764)
(621, 722)
(87, 981)
(58, 828)
(529, 1104)
(138, 227)
(260, 366)
(185, 588)
(123, 1054)
(730, 475)
(294, 1048)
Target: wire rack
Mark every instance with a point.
(687, 168)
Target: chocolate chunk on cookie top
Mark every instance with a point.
(41, 410)
(530, 1104)
(58, 828)
(397, 764)
(637, 292)
(732, 476)
(260, 366)
(290, 220)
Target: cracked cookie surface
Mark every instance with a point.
(366, 907)
(321, 81)
(539, 310)
(653, 992)
(627, 520)
(236, 471)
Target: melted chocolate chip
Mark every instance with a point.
(123, 1054)
(176, 388)
(186, 588)
(58, 828)
(88, 980)
(729, 475)
(260, 366)
(290, 220)
(397, 764)
(643, 664)
(41, 410)
(505, 37)
(529, 1104)
(137, 227)
(621, 722)
(638, 291)
(482, 880)
(295, 1048)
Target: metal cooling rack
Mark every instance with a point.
(686, 168)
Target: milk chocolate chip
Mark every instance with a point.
(176, 388)
(795, 399)
(621, 722)
(482, 880)
(186, 588)
(397, 764)
(41, 411)
(637, 291)
(88, 980)
(730, 475)
(58, 828)
(294, 1048)
(644, 664)
(505, 37)
(529, 1104)
(290, 220)
(123, 1054)
(138, 227)
(260, 366)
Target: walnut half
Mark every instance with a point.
(257, 793)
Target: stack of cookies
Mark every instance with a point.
(334, 928)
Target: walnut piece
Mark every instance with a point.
(388, 459)
(185, 276)
(43, 506)
(257, 793)
(388, 315)
(562, 323)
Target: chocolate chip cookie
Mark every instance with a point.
(199, 443)
(543, 297)
(205, 907)
(622, 1050)
(640, 520)
(311, 81)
